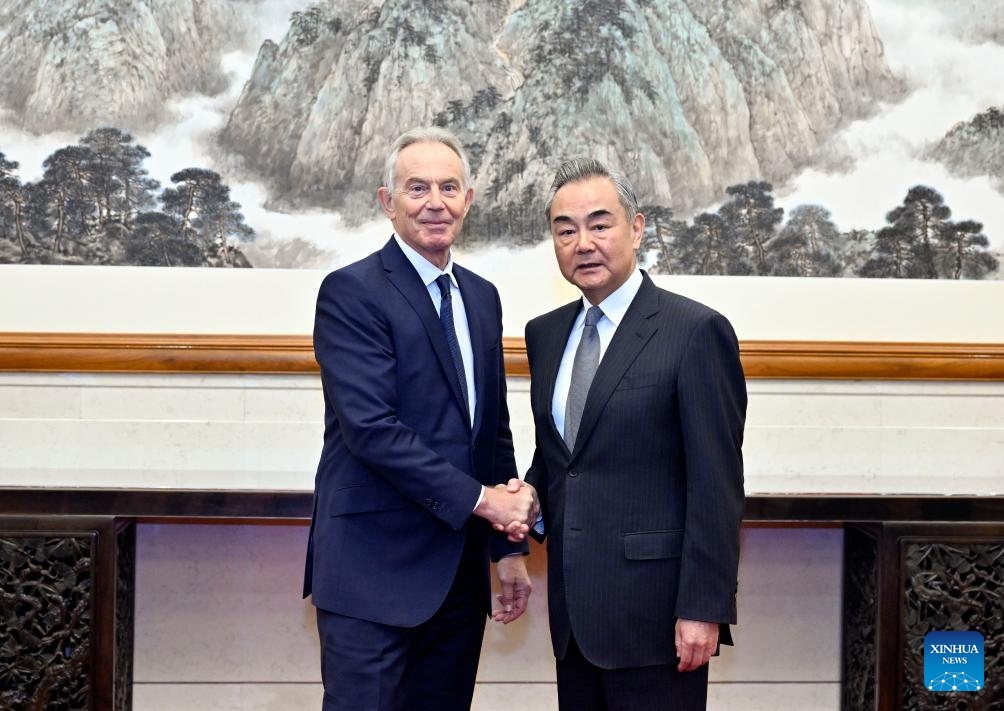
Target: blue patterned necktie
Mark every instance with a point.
(446, 318)
(587, 360)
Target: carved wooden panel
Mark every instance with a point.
(860, 620)
(45, 612)
(125, 606)
(955, 585)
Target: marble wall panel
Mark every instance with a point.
(51, 400)
(875, 404)
(163, 404)
(888, 459)
(157, 446)
(246, 431)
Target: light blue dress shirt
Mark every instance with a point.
(613, 307)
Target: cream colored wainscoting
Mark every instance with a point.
(264, 431)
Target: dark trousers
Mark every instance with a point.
(367, 666)
(582, 686)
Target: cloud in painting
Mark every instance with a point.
(949, 82)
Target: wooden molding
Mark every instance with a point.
(846, 360)
(132, 353)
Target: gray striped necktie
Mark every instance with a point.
(587, 359)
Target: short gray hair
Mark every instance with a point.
(578, 169)
(427, 134)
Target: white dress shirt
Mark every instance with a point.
(613, 307)
(428, 273)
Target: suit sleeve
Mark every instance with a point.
(504, 464)
(712, 392)
(354, 348)
(536, 475)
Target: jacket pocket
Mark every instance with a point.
(653, 545)
(360, 499)
(639, 380)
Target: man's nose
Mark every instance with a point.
(584, 242)
(435, 200)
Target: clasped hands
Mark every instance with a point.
(512, 508)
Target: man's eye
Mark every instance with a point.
(601, 228)
(450, 189)
(417, 190)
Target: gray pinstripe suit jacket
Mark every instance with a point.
(642, 520)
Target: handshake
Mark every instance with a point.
(512, 508)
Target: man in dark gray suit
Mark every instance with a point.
(639, 402)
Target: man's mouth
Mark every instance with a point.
(588, 266)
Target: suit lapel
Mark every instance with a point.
(479, 341)
(632, 334)
(556, 335)
(406, 280)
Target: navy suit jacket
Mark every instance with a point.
(402, 467)
(642, 519)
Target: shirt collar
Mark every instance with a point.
(427, 271)
(616, 304)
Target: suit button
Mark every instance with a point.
(428, 503)
(572, 473)
(435, 506)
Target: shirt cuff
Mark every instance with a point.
(538, 525)
(481, 497)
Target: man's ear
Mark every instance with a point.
(637, 229)
(386, 201)
(468, 200)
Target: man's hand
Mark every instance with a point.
(514, 529)
(512, 508)
(695, 643)
(516, 588)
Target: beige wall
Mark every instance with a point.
(226, 431)
(281, 301)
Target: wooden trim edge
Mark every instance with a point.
(157, 353)
(836, 360)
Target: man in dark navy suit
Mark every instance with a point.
(639, 402)
(417, 450)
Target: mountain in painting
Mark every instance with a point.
(686, 96)
(975, 147)
(73, 66)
